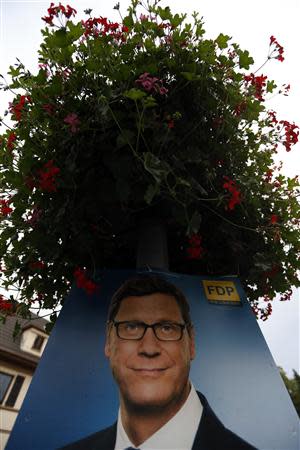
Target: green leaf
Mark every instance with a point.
(222, 40)
(165, 13)
(191, 76)
(17, 330)
(245, 60)
(158, 169)
(59, 39)
(194, 224)
(177, 20)
(271, 86)
(128, 21)
(149, 102)
(75, 30)
(134, 94)
(152, 190)
(127, 137)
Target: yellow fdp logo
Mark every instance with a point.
(221, 292)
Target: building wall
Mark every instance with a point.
(8, 414)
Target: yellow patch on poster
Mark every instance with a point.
(221, 291)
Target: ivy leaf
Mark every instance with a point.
(271, 86)
(245, 60)
(222, 40)
(149, 102)
(190, 76)
(127, 137)
(128, 21)
(59, 39)
(75, 31)
(134, 94)
(194, 224)
(152, 190)
(165, 13)
(176, 20)
(2, 319)
(17, 330)
(155, 166)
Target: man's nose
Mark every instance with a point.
(149, 344)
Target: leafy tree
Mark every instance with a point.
(293, 387)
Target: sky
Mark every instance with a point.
(250, 24)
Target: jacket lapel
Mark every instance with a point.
(210, 428)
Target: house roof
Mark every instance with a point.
(10, 349)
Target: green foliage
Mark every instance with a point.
(143, 118)
(293, 387)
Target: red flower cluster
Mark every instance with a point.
(5, 305)
(259, 83)
(4, 208)
(272, 117)
(47, 177)
(106, 28)
(268, 175)
(276, 48)
(11, 139)
(72, 120)
(151, 84)
(83, 282)
(54, 11)
(17, 109)
(235, 198)
(286, 296)
(266, 312)
(291, 136)
(195, 250)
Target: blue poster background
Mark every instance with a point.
(73, 394)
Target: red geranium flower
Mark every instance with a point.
(195, 250)
(83, 282)
(235, 198)
(4, 208)
(274, 219)
(47, 177)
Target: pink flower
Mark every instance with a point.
(72, 120)
(151, 84)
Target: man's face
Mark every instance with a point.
(150, 372)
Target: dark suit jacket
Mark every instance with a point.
(211, 435)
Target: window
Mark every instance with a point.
(14, 392)
(38, 342)
(5, 380)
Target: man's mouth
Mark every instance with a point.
(150, 372)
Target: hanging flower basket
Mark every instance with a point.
(137, 119)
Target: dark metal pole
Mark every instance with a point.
(152, 249)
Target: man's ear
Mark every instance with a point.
(107, 343)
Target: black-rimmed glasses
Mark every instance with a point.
(134, 330)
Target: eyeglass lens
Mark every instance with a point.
(163, 331)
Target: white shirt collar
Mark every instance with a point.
(177, 434)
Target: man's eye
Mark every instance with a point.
(167, 328)
(131, 326)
